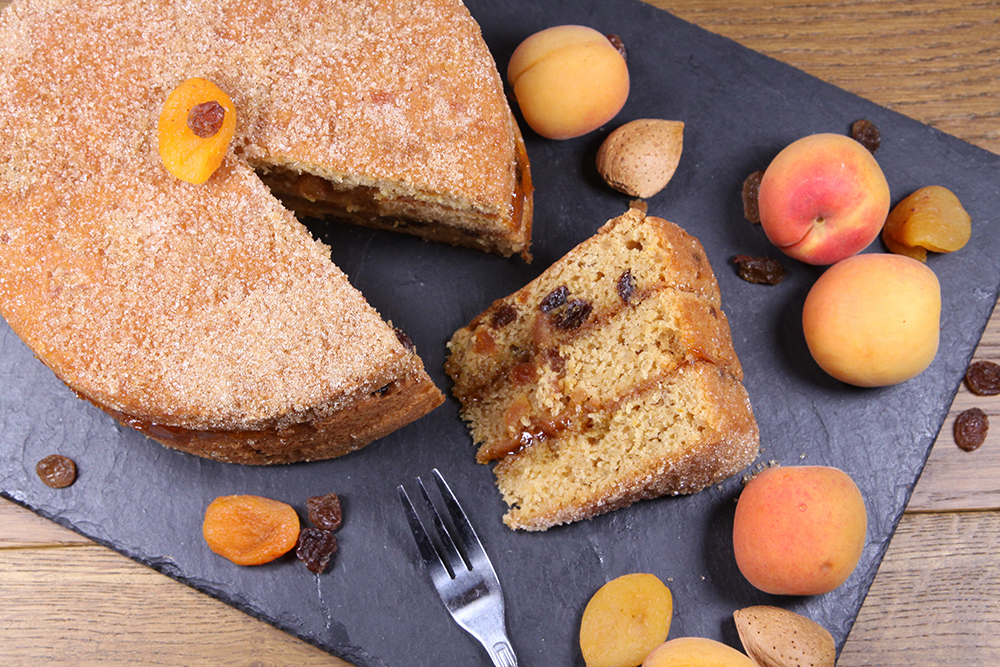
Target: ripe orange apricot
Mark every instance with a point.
(568, 80)
(250, 530)
(799, 530)
(196, 124)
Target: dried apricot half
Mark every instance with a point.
(625, 619)
(250, 530)
(932, 218)
(196, 124)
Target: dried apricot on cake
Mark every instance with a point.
(250, 530)
(196, 124)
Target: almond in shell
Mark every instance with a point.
(776, 637)
(641, 156)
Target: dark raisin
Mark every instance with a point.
(865, 133)
(619, 45)
(626, 286)
(503, 316)
(205, 119)
(554, 299)
(576, 313)
(983, 378)
(382, 391)
(324, 511)
(751, 196)
(555, 360)
(971, 427)
(404, 340)
(56, 470)
(315, 548)
(760, 270)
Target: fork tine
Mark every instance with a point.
(476, 555)
(452, 557)
(429, 554)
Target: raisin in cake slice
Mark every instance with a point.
(610, 378)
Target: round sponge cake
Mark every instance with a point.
(206, 315)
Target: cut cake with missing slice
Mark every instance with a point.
(609, 379)
(207, 316)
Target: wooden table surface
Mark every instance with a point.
(67, 601)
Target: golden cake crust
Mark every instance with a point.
(210, 309)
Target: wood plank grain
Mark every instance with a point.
(954, 479)
(934, 600)
(22, 529)
(90, 606)
(936, 61)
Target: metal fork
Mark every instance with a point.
(461, 572)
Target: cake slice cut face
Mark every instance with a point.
(206, 315)
(609, 379)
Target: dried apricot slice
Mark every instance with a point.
(625, 619)
(932, 218)
(250, 530)
(196, 124)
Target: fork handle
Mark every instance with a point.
(502, 654)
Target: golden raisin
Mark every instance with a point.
(250, 530)
(196, 124)
(932, 218)
(971, 427)
(983, 378)
(206, 119)
(56, 471)
(751, 195)
(865, 133)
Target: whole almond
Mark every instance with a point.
(776, 637)
(641, 156)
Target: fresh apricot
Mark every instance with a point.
(874, 320)
(624, 620)
(250, 530)
(799, 530)
(932, 218)
(568, 80)
(196, 124)
(696, 652)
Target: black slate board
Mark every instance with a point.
(376, 607)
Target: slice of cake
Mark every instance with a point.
(608, 379)
(206, 315)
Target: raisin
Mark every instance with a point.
(971, 427)
(205, 119)
(555, 360)
(503, 316)
(865, 133)
(619, 45)
(404, 340)
(760, 270)
(315, 548)
(626, 286)
(576, 313)
(521, 374)
(382, 391)
(324, 511)
(56, 470)
(983, 378)
(751, 196)
(554, 299)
